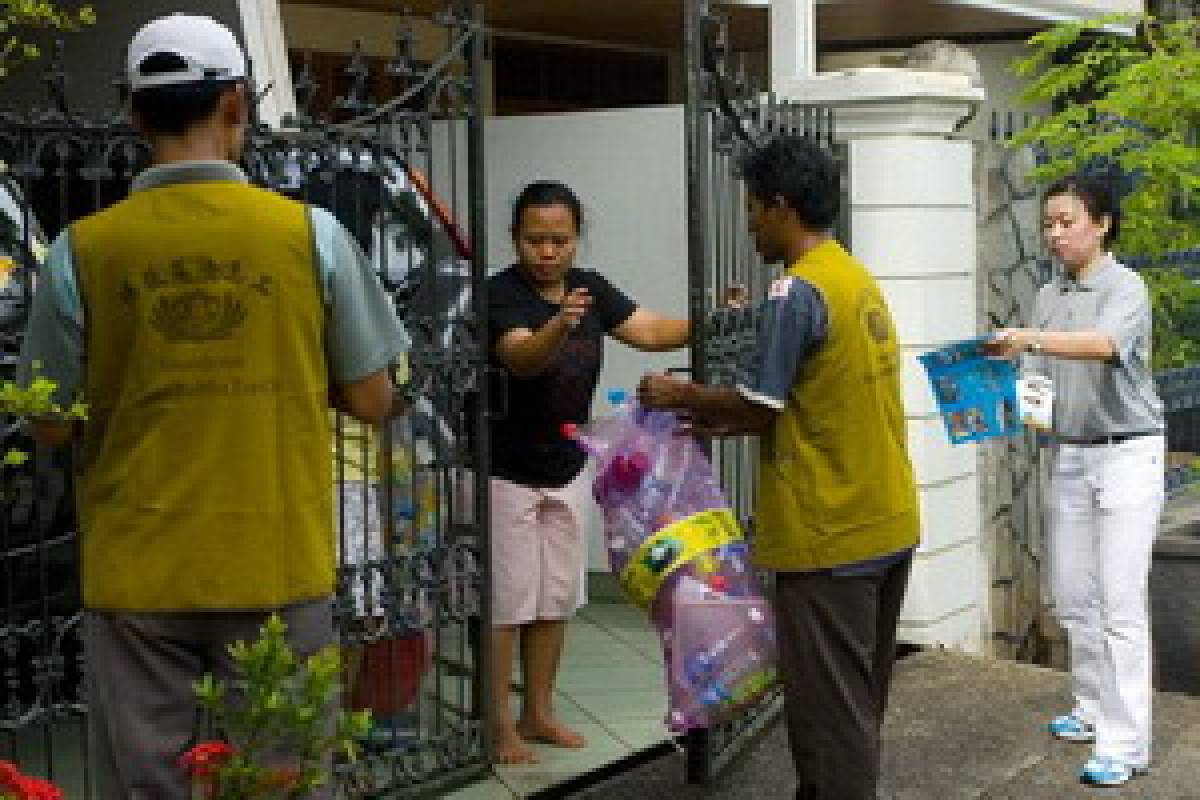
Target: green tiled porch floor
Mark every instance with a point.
(610, 689)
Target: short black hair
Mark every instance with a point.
(172, 110)
(1099, 196)
(799, 170)
(547, 193)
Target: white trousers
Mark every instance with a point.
(1104, 507)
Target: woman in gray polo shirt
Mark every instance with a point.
(1091, 338)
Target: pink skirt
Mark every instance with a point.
(538, 550)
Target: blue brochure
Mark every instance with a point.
(976, 395)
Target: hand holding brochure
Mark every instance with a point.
(976, 394)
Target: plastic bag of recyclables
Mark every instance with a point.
(681, 557)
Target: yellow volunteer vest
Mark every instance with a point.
(835, 482)
(204, 468)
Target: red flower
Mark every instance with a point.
(37, 789)
(19, 787)
(204, 759)
(8, 776)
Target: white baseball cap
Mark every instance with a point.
(209, 49)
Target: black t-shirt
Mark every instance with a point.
(527, 442)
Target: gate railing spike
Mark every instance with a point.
(306, 89)
(55, 80)
(402, 64)
(356, 100)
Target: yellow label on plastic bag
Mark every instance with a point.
(672, 547)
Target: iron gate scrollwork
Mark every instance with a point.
(725, 116)
(404, 173)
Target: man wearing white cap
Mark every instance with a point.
(204, 322)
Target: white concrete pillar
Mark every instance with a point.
(913, 223)
(793, 40)
(262, 29)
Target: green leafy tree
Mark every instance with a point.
(1175, 298)
(1129, 105)
(18, 16)
(1126, 102)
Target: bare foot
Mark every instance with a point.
(550, 731)
(511, 748)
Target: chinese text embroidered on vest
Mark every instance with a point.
(204, 471)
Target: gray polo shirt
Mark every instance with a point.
(1093, 398)
(363, 334)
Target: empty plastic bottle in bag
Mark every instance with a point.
(680, 556)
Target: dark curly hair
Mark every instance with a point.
(800, 171)
(1099, 195)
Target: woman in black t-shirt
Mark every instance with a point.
(547, 323)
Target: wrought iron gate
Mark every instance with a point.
(726, 115)
(404, 173)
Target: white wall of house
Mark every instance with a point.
(1003, 87)
(628, 169)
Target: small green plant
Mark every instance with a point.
(16, 15)
(277, 739)
(35, 401)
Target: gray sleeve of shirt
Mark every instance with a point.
(793, 324)
(1125, 318)
(1029, 363)
(53, 346)
(364, 334)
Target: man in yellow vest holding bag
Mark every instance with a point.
(836, 513)
(204, 321)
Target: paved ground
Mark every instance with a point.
(1175, 595)
(965, 728)
(960, 728)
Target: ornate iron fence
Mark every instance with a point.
(404, 173)
(726, 115)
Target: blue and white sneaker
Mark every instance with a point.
(1107, 771)
(1071, 728)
